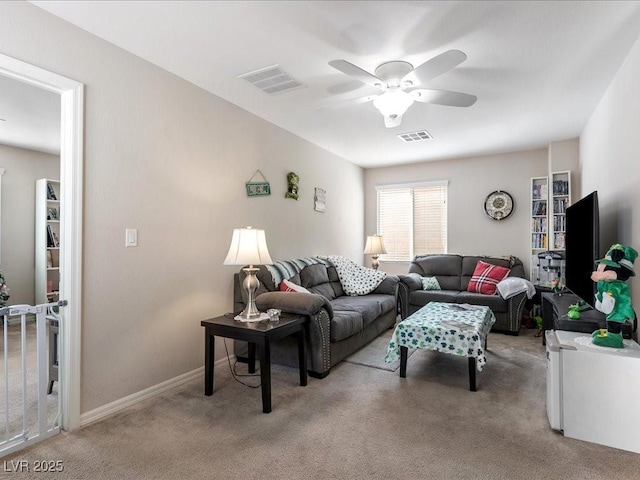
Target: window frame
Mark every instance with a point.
(411, 186)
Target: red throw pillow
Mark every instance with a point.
(287, 286)
(486, 277)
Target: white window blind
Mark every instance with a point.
(412, 219)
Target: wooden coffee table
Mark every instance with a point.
(456, 329)
(259, 335)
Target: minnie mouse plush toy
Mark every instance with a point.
(612, 297)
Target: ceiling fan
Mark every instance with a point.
(400, 85)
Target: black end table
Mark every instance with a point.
(259, 335)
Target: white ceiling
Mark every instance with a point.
(29, 116)
(537, 68)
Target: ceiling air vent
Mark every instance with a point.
(415, 136)
(272, 80)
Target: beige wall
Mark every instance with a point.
(471, 231)
(564, 156)
(610, 162)
(22, 169)
(171, 160)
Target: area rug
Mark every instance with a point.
(372, 355)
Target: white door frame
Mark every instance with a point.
(71, 162)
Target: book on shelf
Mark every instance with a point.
(539, 208)
(51, 193)
(561, 187)
(50, 239)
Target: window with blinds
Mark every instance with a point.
(412, 218)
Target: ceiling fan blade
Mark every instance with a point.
(443, 97)
(436, 66)
(357, 73)
(347, 103)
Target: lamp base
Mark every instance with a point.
(374, 262)
(250, 284)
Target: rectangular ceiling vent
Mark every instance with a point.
(272, 80)
(415, 136)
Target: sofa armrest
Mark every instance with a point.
(409, 282)
(320, 313)
(412, 281)
(388, 286)
(294, 302)
(515, 309)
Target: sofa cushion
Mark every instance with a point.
(316, 279)
(422, 297)
(344, 324)
(486, 277)
(495, 302)
(446, 267)
(334, 281)
(364, 305)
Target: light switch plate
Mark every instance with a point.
(131, 237)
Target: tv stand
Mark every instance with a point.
(554, 316)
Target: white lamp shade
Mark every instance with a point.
(374, 246)
(248, 247)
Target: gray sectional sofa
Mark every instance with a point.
(453, 273)
(339, 324)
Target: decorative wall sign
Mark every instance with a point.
(258, 189)
(292, 182)
(319, 200)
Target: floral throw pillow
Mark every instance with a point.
(287, 286)
(430, 283)
(486, 277)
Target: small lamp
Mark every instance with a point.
(249, 247)
(374, 247)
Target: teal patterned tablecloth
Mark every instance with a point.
(457, 329)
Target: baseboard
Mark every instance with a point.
(117, 405)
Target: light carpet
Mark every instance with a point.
(357, 423)
(372, 355)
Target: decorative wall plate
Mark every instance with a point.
(498, 205)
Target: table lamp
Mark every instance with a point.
(249, 247)
(374, 247)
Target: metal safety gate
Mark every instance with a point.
(29, 359)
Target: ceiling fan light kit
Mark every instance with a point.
(393, 104)
(399, 83)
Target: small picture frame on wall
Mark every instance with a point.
(319, 200)
(257, 188)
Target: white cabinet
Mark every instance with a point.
(47, 241)
(592, 391)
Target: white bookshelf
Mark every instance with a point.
(47, 241)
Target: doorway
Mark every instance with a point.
(71, 162)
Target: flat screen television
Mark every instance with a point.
(582, 246)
